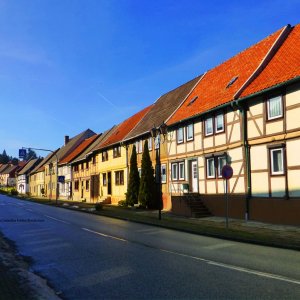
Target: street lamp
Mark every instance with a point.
(56, 168)
(156, 133)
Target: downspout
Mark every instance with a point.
(246, 148)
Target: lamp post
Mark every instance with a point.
(56, 169)
(156, 133)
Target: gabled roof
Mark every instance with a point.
(10, 169)
(72, 144)
(124, 128)
(101, 138)
(29, 166)
(163, 108)
(78, 150)
(3, 167)
(284, 66)
(225, 82)
(40, 167)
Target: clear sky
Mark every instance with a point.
(69, 65)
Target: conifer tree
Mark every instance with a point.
(134, 180)
(147, 183)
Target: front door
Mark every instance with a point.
(109, 183)
(194, 177)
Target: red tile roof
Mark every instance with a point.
(78, 150)
(124, 128)
(212, 90)
(284, 66)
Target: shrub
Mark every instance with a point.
(123, 203)
(14, 192)
(99, 206)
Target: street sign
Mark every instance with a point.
(61, 179)
(22, 153)
(227, 172)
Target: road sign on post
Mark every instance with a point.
(227, 173)
(22, 153)
(61, 179)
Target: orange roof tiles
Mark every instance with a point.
(212, 89)
(284, 66)
(124, 128)
(78, 150)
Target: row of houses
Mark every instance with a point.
(244, 112)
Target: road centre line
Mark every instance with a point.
(56, 219)
(105, 235)
(235, 268)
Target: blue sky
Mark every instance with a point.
(69, 65)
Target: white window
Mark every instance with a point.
(277, 161)
(137, 146)
(190, 132)
(140, 146)
(150, 143)
(221, 164)
(175, 171)
(163, 173)
(210, 167)
(209, 126)
(180, 136)
(181, 170)
(274, 106)
(157, 142)
(219, 123)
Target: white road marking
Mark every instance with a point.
(104, 235)
(235, 268)
(56, 219)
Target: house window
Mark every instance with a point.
(209, 130)
(150, 143)
(214, 124)
(137, 146)
(119, 177)
(210, 167)
(274, 107)
(87, 165)
(94, 159)
(221, 164)
(117, 151)
(219, 123)
(174, 169)
(87, 185)
(180, 136)
(190, 132)
(277, 167)
(76, 186)
(104, 155)
(104, 179)
(181, 170)
(76, 168)
(157, 142)
(163, 173)
(140, 172)
(82, 166)
(140, 146)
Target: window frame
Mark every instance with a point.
(141, 146)
(179, 173)
(207, 168)
(277, 173)
(188, 139)
(104, 179)
(87, 185)
(212, 126)
(150, 143)
(219, 171)
(163, 176)
(223, 123)
(76, 185)
(174, 178)
(117, 151)
(177, 135)
(268, 108)
(119, 177)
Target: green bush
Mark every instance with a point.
(123, 203)
(99, 206)
(14, 192)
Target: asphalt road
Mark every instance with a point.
(85, 256)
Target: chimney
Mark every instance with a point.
(67, 138)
